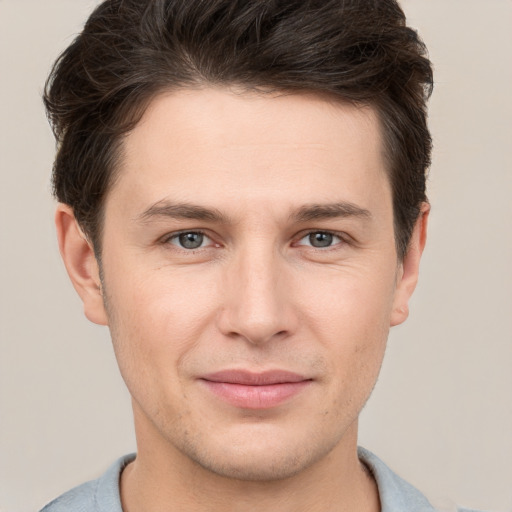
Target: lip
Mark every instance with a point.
(255, 390)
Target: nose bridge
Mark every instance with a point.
(256, 307)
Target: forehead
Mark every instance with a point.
(214, 116)
(220, 144)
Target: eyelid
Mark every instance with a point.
(344, 238)
(169, 237)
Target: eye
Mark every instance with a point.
(189, 240)
(320, 239)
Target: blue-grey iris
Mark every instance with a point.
(191, 240)
(321, 239)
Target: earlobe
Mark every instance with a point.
(81, 264)
(407, 276)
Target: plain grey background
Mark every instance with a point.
(441, 415)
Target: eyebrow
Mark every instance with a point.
(167, 209)
(330, 211)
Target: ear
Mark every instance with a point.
(407, 275)
(81, 264)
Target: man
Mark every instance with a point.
(242, 201)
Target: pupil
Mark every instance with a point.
(320, 239)
(191, 240)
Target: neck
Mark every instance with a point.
(162, 479)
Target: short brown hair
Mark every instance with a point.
(360, 51)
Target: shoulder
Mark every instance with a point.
(79, 499)
(101, 495)
(396, 495)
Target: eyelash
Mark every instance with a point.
(343, 237)
(167, 239)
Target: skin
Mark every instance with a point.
(256, 175)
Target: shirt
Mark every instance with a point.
(102, 495)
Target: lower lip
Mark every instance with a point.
(256, 397)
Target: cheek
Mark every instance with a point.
(156, 319)
(355, 302)
(350, 315)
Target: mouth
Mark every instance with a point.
(250, 390)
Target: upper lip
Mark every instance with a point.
(250, 378)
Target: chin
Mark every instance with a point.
(258, 458)
(261, 467)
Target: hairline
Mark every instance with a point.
(135, 115)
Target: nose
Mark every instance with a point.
(256, 303)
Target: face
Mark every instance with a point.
(250, 277)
